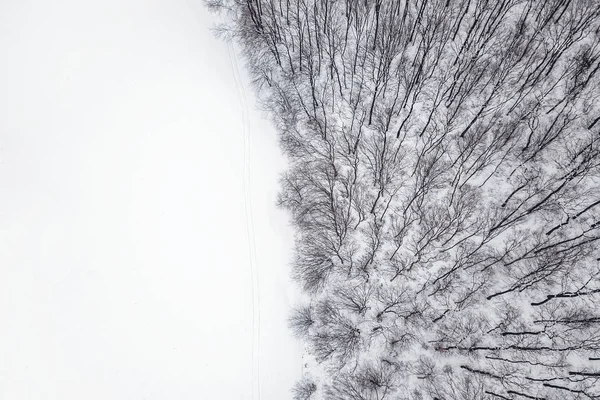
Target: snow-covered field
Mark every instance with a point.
(125, 267)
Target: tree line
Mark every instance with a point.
(444, 184)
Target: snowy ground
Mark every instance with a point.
(124, 261)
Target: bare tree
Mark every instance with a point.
(304, 389)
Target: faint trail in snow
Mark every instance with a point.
(249, 225)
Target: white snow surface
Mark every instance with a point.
(125, 265)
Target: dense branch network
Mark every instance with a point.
(444, 183)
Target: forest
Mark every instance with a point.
(444, 188)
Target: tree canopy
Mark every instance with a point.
(444, 184)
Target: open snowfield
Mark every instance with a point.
(125, 265)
